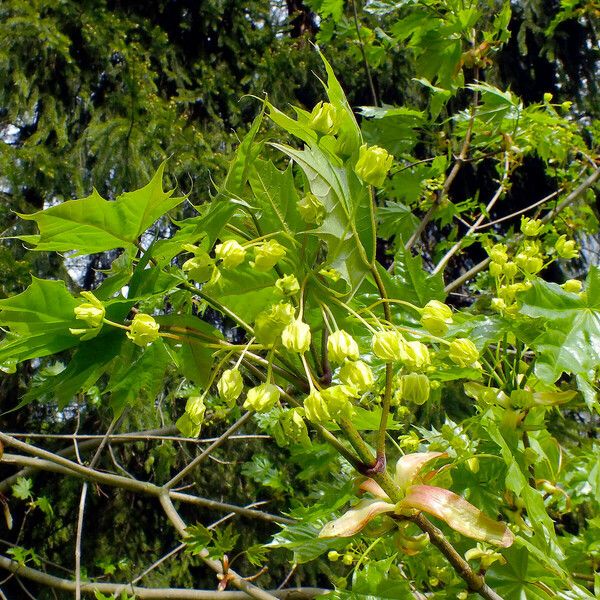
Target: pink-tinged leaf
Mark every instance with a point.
(356, 518)
(458, 514)
(410, 465)
(371, 486)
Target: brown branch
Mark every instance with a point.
(475, 581)
(218, 442)
(216, 565)
(47, 461)
(7, 483)
(142, 592)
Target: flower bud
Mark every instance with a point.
(195, 408)
(345, 144)
(498, 253)
(91, 312)
(294, 426)
(200, 267)
(230, 386)
(332, 555)
(463, 352)
(358, 375)
(495, 269)
(231, 253)
(572, 285)
(311, 209)
(315, 408)
(262, 397)
(415, 354)
(296, 336)
(566, 248)
(386, 344)
(532, 265)
(288, 285)
(373, 164)
(337, 399)
(498, 304)
(415, 388)
(547, 97)
(348, 559)
(509, 269)
(267, 255)
(531, 227)
(435, 317)
(270, 323)
(323, 118)
(340, 346)
(143, 330)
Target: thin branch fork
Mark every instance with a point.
(51, 462)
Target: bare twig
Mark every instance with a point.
(458, 245)
(572, 197)
(47, 461)
(215, 565)
(361, 45)
(458, 163)
(218, 442)
(148, 593)
(475, 581)
(90, 442)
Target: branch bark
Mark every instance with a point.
(143, 592)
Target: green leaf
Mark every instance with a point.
(516, 481)
(302, 539)
(39, 320)
(197, 538)
(395, 219)
(347, 228)
(45, 304)
(138, 375)
(92, 224)
(410, 282)
(22, 489)
(522, 577)
(569, 325)
(256, 554)
(244, 291)
(224, 541)
(196, 359)
(276, 198)
(88, 363)
(377, 579)
(392, 128)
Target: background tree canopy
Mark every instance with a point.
(489, 110)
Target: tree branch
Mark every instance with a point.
(47, 461)
(143, 593)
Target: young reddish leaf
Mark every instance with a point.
(371, 486)
(410, 465)
(356, 518)
(459, 514)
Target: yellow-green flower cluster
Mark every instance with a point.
(267, 255)
(373, 164)
(92, 313)
(201, 267)
(391, 346)
(143, 330)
